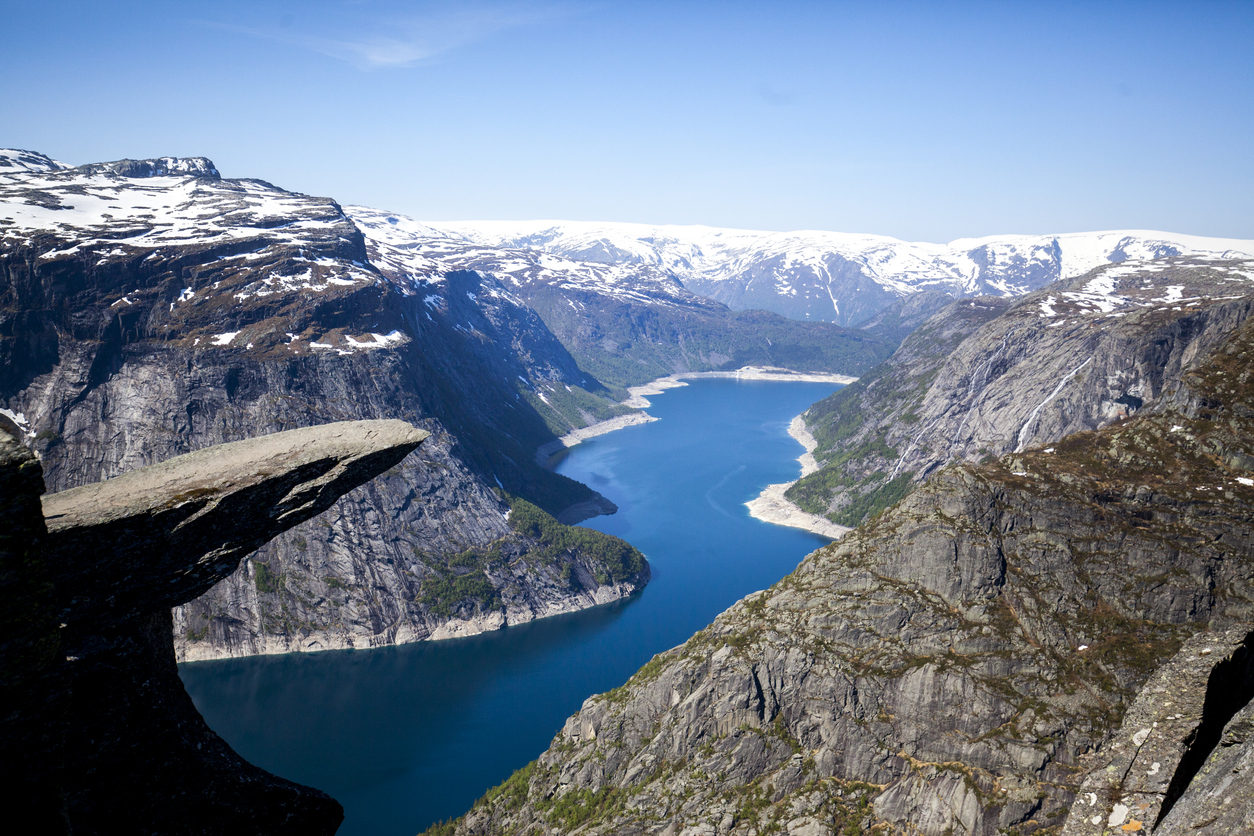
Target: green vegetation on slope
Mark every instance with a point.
(565, 408)
(614, 560)
(466, 579)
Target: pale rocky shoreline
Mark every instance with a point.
(657, 387)
(400, 632)
(638, 399)
(770, 506)
(545, 452)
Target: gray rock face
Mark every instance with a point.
(1180, 762)
(219, 504)
(1220, 798)
(989, 376)
(103, 729)
(151, 309)
(947, 667)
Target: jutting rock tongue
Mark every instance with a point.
(116, 735)
(184, 524)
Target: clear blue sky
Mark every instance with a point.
(925, 121)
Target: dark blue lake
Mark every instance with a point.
(406, 736)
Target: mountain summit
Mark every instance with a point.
(838, 277)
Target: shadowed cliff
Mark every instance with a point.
(97, 728)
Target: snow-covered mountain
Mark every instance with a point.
(626, 322)
(153, 307)
(424, 249)
(832, 276)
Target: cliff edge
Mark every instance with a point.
(96, 725)
(950, 666)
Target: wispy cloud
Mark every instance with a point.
(775, 97)
(369, 39)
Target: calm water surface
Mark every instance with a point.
(406, 736)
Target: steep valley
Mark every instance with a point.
(1054, 490)
(153, 307)
(627, 324)
(170, 309)
(963, 661)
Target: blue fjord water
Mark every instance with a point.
(405, 736)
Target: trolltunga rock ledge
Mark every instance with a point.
(184, 524)
(95, 724)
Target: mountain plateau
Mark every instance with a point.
(833, 276)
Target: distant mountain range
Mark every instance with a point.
(831, 276)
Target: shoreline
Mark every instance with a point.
(638, 399)
(545, 452)
(639, 394)
(771, 506)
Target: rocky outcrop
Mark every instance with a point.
(184, 524)
(151, 308)
(1181, 761)
(990, 376)
(102, 728)
(946, 667)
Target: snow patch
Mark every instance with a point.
(376, 340)
(18, 418)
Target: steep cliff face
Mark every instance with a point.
(96, 727)
(151, 308)
(944, 668)
(1181, 760)
(990, 376)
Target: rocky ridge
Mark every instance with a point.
(833, 276)
(946, 667)
(989, 376)
(150, 308)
